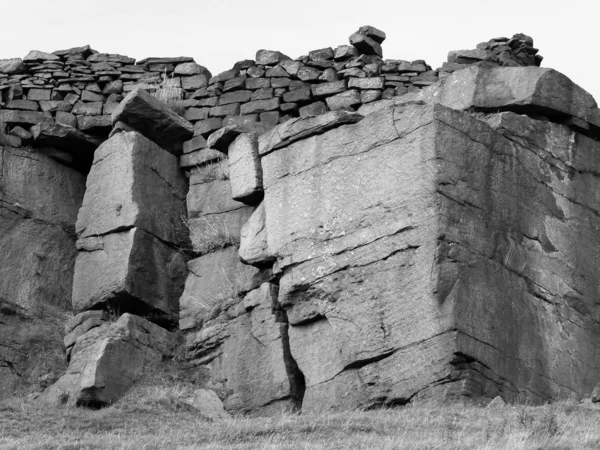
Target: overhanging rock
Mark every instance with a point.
(154, 119)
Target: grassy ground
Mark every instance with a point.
(25, 425)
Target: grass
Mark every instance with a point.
(210, 235)
(128, 424)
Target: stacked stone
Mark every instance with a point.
(273, 88)
(80, 88)
(517, 51)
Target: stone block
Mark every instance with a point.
(366, 83)
(323, 53)
(132, 271)
(134, 183)
(66, 118)
(107, 360)
(327, 89)
(270, 118)
(205, 127)
(28, 117)
(12, 66)
(258, 83)
(263, 94)
(27, 105)
(154, 119)
(372, 32)
(87, 109)
(309, 73)
(269, 57)
(280, 82)
(195, 114)
(344, 100)
(298, 95)
(314, 109)
(95, 124)
(196, 143)
(88, 96)
(245, 169)
(232, 109)
(235, 97)
(190, 83)
(259, 106)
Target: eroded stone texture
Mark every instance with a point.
(245, 347)
(212, 279)
(131, 271)
(39, 199)
(439, 258)
(134, 183)
(107, 360)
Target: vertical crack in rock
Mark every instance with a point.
(295, 375)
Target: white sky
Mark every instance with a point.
(219, 33)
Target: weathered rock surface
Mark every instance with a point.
(246, 349)
(426, 279)
(254, 247)
(131, 271)
(39, 199)
(155, 120)
(245, 170)
(212, 279)
(107, 360)
(77, 143)
(531, 90)
(134, 183)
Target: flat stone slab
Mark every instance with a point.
(301, 128)
(154, 119)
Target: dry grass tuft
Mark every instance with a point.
(210, 234)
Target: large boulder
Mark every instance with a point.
(134, 183)
(107, 360)
(129, 271)
(444, 257)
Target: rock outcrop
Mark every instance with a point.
(39, 200)
(333, 232)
